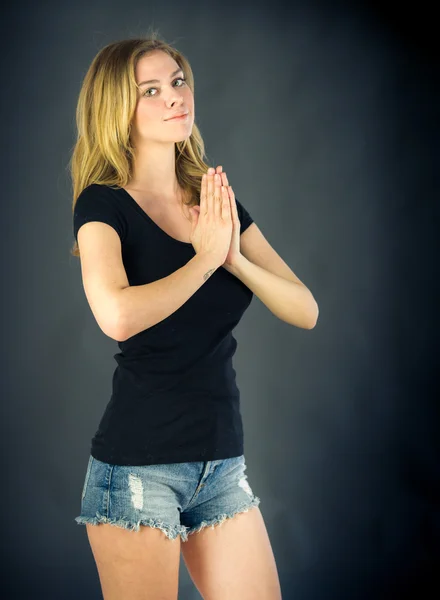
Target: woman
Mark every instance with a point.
(159, 241)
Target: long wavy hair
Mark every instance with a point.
(103, 152)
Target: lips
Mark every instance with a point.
(178, 115)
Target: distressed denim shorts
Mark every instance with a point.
(178, 498)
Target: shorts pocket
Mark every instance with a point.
(86, 479)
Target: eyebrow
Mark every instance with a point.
(158, 81)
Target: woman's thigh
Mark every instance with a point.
(132, 520)
(137, 516)
(135, 565)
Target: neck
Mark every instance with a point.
(154, 170)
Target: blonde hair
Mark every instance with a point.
(103, 152)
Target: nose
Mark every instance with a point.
(175, 101)
(175, 98)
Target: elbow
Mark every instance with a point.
(116, 327)
(119, 336)
(120, 331)
(115, 332)
(310, 317)
(314, 318)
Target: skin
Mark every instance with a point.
(234, 253)
(154, 169)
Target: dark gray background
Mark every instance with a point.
(324, 116)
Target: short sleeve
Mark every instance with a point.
(244, 216)
(98, 203)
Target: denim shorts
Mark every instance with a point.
(178, 498)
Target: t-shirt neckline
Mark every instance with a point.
(145, 215)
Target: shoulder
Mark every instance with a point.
(99, 195)
(99, 202)
(96, 190)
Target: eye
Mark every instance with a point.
(182, 79)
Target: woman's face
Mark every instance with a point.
(160, 100)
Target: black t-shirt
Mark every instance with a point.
(174, 395)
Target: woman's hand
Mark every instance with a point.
(234, 248)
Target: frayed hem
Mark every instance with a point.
(223, 517)
(170, 531)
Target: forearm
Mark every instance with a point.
(289, 301)
(142, 306)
